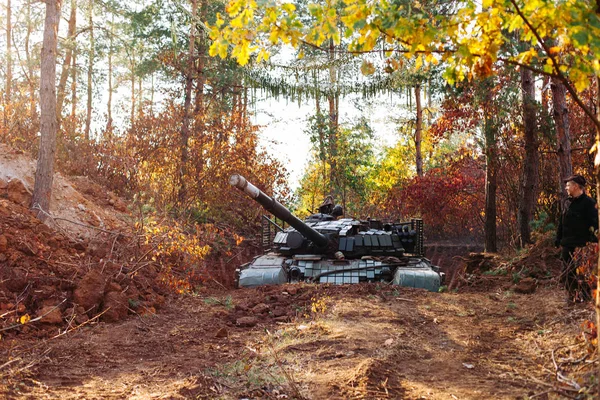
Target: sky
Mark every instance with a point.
(284, 123)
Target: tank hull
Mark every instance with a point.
(274, 269)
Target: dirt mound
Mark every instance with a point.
(71, 210)
(74, 267)
(523, 272)
(46, 275)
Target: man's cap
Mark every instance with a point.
(577, 179)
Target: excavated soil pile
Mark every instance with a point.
(74, 267)
(63, 282)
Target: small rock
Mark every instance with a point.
(113, 287)
(53, 243)
(222, 333)
(90, 291)
(116, 306)
(155, 300)
(260, 308)
(148, 311)
(81, 207)
(526, 286)
(246, 321)
(273, 299)
(53, 317)
(3, 184)
(27, 248)
(279, 312)
(80, 315)
(3, 243)
(17, 281)
(18, 193)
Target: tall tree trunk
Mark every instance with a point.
(597, 168)
(7, 89)
(333, 100)
(530, 179)
(419, 131)
(199, 106)
(152, 94)
(545, 102)
(74, 85)
(109, 120)
(132, 68)
(491, 180)
(563, 135)
(64, 74)
(185, 127)
(32, 91)
(90, 73)
(140, 97)
(322, 142)
(44, 172)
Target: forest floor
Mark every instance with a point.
(488, 338)
(346, 342)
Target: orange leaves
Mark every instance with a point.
(590, 335)
(169, 238)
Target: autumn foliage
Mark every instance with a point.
(450, 199)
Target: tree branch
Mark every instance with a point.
(555, 65)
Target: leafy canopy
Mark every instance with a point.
(557, 37)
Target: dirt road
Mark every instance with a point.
(315, 342)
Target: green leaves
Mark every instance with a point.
(470, 40)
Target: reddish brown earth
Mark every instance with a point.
(101, 328)
(363, 341)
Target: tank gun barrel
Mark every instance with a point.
(279, 211)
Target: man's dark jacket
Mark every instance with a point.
(578, 222)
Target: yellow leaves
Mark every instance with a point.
(288, 7)
(469, 40)
(431, 59)
(24, 319)
(262, 55)
(367, 68)
(579, 79)
(242, 52)
(319, 305)
(418, 63)
(218, 47)
(219, 22)
(236, 6)
(172, 240)
(526, 56)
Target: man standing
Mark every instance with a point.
(577, 226)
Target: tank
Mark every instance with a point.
(327, 248)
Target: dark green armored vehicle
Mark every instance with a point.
(325, 248)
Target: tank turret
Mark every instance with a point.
(326, 248)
